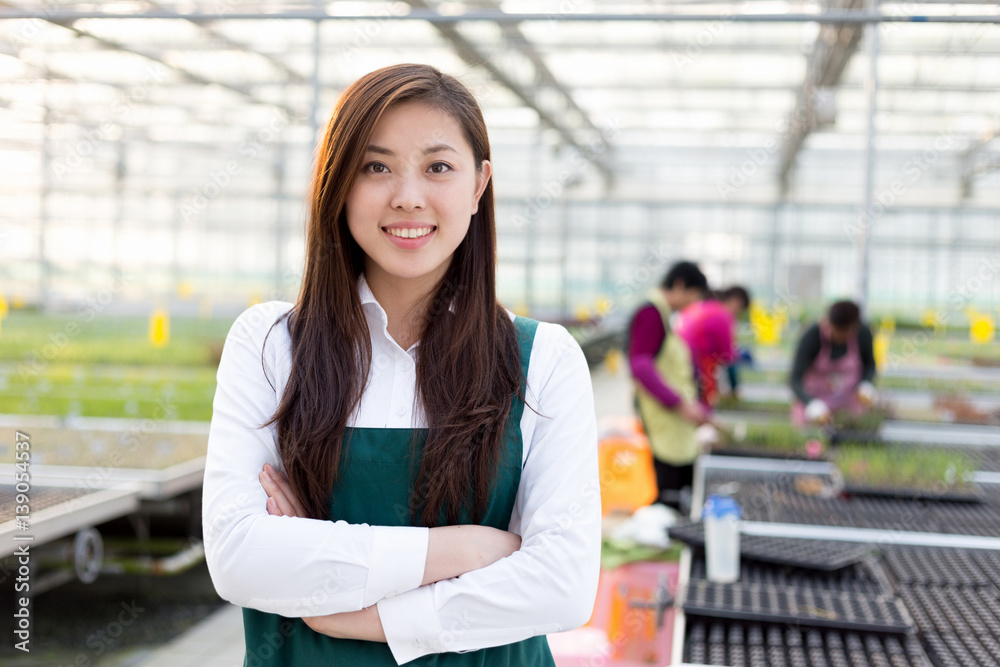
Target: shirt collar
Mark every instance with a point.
(366, 295)
(365, 292)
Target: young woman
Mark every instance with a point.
(399, 469)
(663, 374)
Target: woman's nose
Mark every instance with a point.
(408, 193)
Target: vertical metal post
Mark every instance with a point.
(531, 231)
(772, 272)
(177, 221)
(564, 256)
(279, 203)
(317, 55)
(871, 84)
(43, 210)
(119, 207)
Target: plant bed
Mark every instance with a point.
(859, 428)
(776, 441)
(906, 473)
(764, 453)
(730, 404)
(956, 408)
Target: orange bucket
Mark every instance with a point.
(628, 480)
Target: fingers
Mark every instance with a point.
(281, 500)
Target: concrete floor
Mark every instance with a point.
(215, 642)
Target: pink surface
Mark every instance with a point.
(617, 634)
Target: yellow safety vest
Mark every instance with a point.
(671, 437)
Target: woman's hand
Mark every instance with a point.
(454, 550)
(365, 625)
(693, 412)
(451, 551)
(281, 501)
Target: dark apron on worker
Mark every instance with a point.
(374, 487)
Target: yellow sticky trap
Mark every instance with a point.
(766, 326)
(602, 306)
(521, 309)
(582, 312)
(3, 308)
(930, 319)
(982, 329)
(254, 299)
(880, 347)
(612, 361)
(159, 328)
(185, 289)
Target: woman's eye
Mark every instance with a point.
(375, 168)
(439, 167)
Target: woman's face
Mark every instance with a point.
(411, 204)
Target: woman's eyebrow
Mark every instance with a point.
(436, 148)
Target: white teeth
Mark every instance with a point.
(410, 233)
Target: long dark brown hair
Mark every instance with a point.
(467, 369)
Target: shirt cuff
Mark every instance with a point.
(411, 625)
(399, 554)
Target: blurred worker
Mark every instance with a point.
(834, 367)
(709, 328)
(665, 391)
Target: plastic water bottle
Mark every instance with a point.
(722, 515)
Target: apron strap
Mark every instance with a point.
(525, 327)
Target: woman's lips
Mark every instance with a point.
(409, 237)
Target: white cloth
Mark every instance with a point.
(867, 391)
(817, 410)
(306, 567)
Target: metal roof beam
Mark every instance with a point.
(475, 57)
(839, 17)
(67, 23)
(215, 34)
(971, 167)
(834, 46)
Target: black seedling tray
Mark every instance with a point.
(912, 494)
(860, 437)
(941, 566)
(739, 644)
(816, 554)
(856, 578)
(962, 609)
(843, 610)
(772, 497)
(954, 650)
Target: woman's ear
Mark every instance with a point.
(483, 178)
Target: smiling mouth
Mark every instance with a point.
(408, 232)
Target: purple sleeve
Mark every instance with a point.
(646, 337)
(720, 330)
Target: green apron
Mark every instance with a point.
(374, 486)
(671, 437)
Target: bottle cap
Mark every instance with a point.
(718, 507)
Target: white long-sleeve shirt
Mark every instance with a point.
(307, 567)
